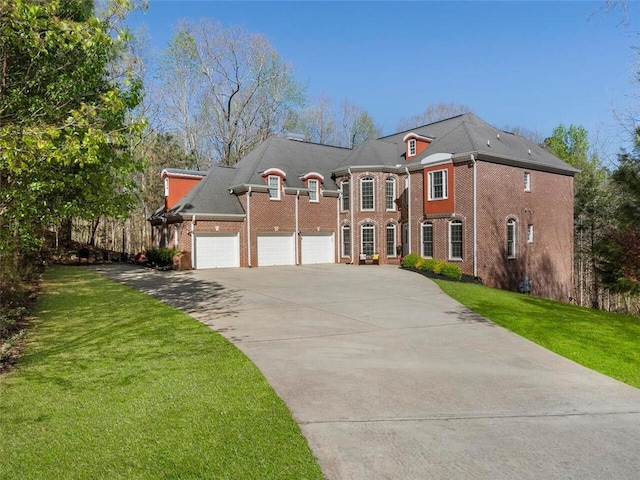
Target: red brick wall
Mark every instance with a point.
(379, 217)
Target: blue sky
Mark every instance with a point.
(531, 64)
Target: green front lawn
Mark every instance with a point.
(606, 342)
(116, 385)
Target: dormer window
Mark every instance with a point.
(313, 186)
(412, 147)
(274, 187)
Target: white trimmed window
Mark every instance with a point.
(346, 241)
(391, 240)
(427, 239)
(527, 181)
(455, 240)
(313, 186)
(412, 147)
(274, 187)
(366, 194)
(390, 194)
(367, 239)
(345, 196)
(166, 186)
(530, 233)
(511, 238)
(438, 185)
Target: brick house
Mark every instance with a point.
(459, 190)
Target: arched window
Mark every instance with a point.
(346, 241)
(390, 194)
(391, 240)
(367, 239)
(366, 194)
(511, 238)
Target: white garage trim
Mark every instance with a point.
(276, 249)
(318, 248)
(217, 250)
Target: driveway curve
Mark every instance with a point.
(389, 378)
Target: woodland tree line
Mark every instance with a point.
(88, 122)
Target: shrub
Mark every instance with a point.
(451, 270)
(411, 260)
(161, 257)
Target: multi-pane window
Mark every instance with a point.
(391, 240)
(367, 234)
(390, 194)
(511, 238)
(455, 240)
(346, 241)
(313, 190)
(438, 185)
(366, 194)
(412, 147)
(274, 187)
(427, 239)
(345, 195)
(530, 233)
(527, 182)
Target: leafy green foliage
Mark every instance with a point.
(161, 257)
(66, 132)
(410, 260)
(114, 384)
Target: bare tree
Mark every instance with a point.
(531, 135)
(433, 113)
(357, 125)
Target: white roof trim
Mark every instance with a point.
(417, 136)
(274, 171)
(436, 158)
(312, 175)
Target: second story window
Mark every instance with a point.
(274, 187)
(412, 147)
(345, 195)
(313, 190)
(527, 182)
(366, 194)
(438, 185)
(390, 194)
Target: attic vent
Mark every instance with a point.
(498, 136)
(529, 152)
(295, 136)
(488, 143)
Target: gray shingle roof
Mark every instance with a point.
(211, 195)
(294, 157)
(468, 133)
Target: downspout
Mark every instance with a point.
(352, 227)
(249, 227)
(193, 241)
(406, 169)
(338, 236)
(297, 232)
(475, 215)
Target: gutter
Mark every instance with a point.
(475, 215)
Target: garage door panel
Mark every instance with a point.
(217, 251)
(317, 248)
(276, 249)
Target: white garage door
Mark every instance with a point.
(276, 249)
(318, 248)
(217, 250)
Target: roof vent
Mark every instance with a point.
(498, 136)
(488, 143)
(295, 136)
(529, 152)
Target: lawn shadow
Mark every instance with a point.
(178, 289)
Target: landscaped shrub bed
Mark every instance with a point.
(161, 257)
(433, 267)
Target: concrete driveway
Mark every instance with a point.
(391, 379)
